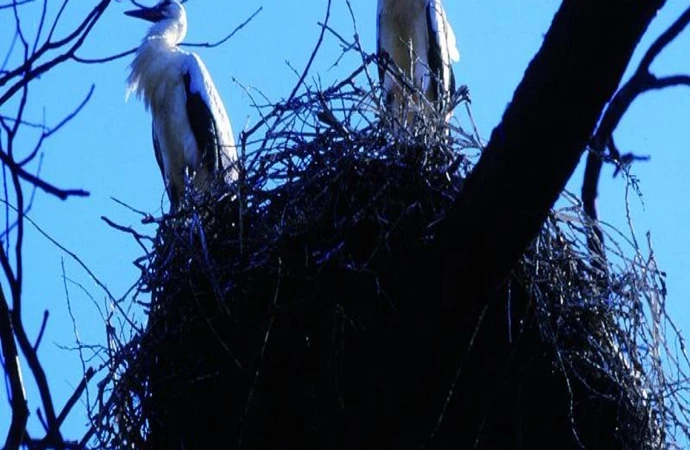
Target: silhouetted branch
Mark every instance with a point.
(16, 3)
(39, 54)
(48, 132)
(226, 38)
(129, 230)
(29, 70)
(13, 372)
(44, 323)
(278, 111)
(601, 145)
(131, 51)
(106, 59)
(75, 396)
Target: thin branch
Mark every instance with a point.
(13, 371)
(134, 210)
(226, 38)
(278, 112)
(641, 81)
(28, 72)
(44, 323)
(132, 51)
(86, 268)
(106, 59)
(48, 132)
(16, 3)
(129, 230)
(75, 396)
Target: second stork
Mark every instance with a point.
(191, 129)
(418, 39)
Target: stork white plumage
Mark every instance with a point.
(191, 129)
(418, 38)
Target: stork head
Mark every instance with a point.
(169, 18)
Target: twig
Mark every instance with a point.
(229, 36)
(44, 323)
(129, 230)
(641, 81)
(13, 371)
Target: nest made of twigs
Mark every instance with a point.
(331, 185)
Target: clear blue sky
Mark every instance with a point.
(107, 148)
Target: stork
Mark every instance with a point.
(417, 37)
(191, 129)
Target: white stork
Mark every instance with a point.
(191, 129)
(418, 38)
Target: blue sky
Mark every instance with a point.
(107, 148)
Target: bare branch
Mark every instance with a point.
(48, 132)
(106, 59)
(44, 323)
(129, 230)
(226, 38)
(28, 71)
(277, 112)
(13, 371)
(16, 3)
(641, 81)
(75, 396)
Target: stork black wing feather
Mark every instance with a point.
(204, 128)
(435, 57)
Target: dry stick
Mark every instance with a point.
(48, 132)
(15, 281)
(16, 3)
(278, 111)
(129, 230)
(44, 323)
(75, 396)
(13, 371)
(641, 81)
(93, 276)
(28, 71)
(40, 26)
(226, 38)
(25, 74)
(131, 51)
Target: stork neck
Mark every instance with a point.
(170, 32)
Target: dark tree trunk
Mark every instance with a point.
(538, 144)
(528, 161)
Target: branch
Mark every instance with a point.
(75, 396)
(27, 72)
(641, 81)
(131, 51)
(48, 132)
(535, 149)
(226, 38)
(16, 3)
(278, 111)
(62, 194)
(13, 371)
(506, 199)
(44, 323)
(129, 230)
(79, 59)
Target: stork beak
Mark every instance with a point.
(151, 14)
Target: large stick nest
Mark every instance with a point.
(309, 250)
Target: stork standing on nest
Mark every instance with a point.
(191, 129)
(416, 36)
